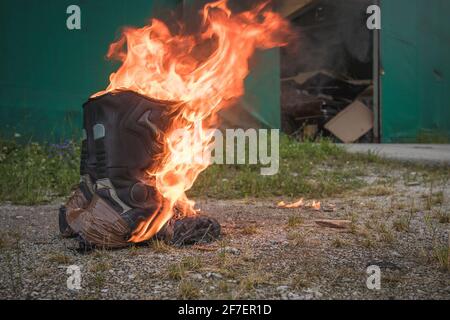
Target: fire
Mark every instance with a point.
(300, 204)
(315, 205)
(297, 204)
(177, 67)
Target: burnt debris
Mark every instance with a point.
(327, 68)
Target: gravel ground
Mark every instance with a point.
(265, 252)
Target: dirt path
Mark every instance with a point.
(265, 252)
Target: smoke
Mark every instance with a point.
(331, 34)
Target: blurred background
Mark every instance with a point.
(337, 79)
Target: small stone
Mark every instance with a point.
(315, 293)
(131, 276)
(196, 276)
(396, 254)
(282, 288)
(214, 275)
(293, 296)
(230, 250)
(104, 290)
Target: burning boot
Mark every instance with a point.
(79, 199)
(123, 134)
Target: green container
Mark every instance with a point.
(415, 57)
(47, 71)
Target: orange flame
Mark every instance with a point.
(297, 204)
(316, 205)
(164, 66)
(300, 204)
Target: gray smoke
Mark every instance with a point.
(331, 34)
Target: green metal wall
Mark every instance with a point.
(48, 71)
(415, 57)
(263, 90)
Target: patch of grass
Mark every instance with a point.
(339, 243)
(59, 258)
(294, 221)
(252, 280)
(175, 272)
(98, 281)
(368, 242)
(100, 266)
(43, 172)
(299, 282)
(250, 230)
(397, 205)
(160, 246)
(191, 263)
(433, 199)
(354, 228)
(441, 255)
(134, 250)
(187, 289)
(402, 223)
(178, 270)
(442, 216)
(296, 238)
(36, 173)
(377, 191)
(385, 233)
(310, 169)
(223, 287)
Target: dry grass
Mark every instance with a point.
(294, 221)
(377, 191)
(160, 246)
(250, 230)
(100, 266)
(299, 282)
(339, 243)
(187, 289)
(296, 238)
(442, 216)
(441, 256)
(178, 270)
(402, 223)
(59, 258)
(253, 280)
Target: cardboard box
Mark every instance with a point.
(351, 123)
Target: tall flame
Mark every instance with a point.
(164, 66)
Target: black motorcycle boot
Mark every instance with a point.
(125, 133)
